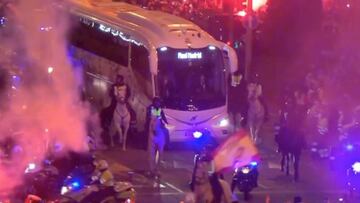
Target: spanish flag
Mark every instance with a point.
(237, 150)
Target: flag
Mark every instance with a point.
(237, 150)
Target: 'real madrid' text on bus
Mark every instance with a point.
(159, 55)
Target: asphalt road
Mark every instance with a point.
(317, 181)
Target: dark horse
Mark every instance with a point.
(290, 144)
(290, 140)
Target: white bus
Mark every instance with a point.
(159, 55)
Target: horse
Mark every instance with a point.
(256, 111)
(290, 144)
(120, 123)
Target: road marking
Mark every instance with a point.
(298, 192)
(159, 194)
(263, 186)
(173, 187)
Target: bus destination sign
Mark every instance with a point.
(189, 55)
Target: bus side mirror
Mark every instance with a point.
(231, 57)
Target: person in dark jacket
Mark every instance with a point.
(237, 103)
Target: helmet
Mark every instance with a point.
(102, 165)
(157, 101)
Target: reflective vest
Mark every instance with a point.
(156, 112)
(107, 178)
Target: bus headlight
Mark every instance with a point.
(30, 168)
(64, 190)
(356, 167)
(197, 134)
(245, 170)
(224, 122)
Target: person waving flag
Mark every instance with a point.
(237, 150)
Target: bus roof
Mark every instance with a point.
(153, 29)
(160, 28)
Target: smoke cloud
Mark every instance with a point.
(41, 106)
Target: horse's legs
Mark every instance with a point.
(258, 127)
(112, 132)
(252, 132)
(296, 166)
(126, 125)
(287, 157)
(282, 162)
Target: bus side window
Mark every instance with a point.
(141, 68)
(103, 44)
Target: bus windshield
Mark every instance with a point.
(191, 79)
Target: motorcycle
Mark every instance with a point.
(74, 191)
(83, 181)
(45, 178)
(204, 144)
(344, 155)
(353, 178)
(245, 179)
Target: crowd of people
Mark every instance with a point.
(185, 8)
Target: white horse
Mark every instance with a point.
(256, 111)
(120, 123)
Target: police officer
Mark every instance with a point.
(157, 133)
(103, 179)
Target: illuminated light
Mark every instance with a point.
(50, 69)
(224, 122)
(253, 163)
(64, 190)
(46, 28)
(13, 87)
(104, 28)
(189, 55)
(258, 4)
(14, 77)
(24, 107)
(212, 47)
(241, 13)
(197, 134)
(163, 48)
(75, 184)
(2, 20)
(356, 167)
(115, 33)
(46, 130)
(341, 199)
(228, 43)
(32, 166)
(349, 147)
(245, 170)
(348, 5)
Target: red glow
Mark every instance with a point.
(228, 43)
(258, 4)
(241, 13)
